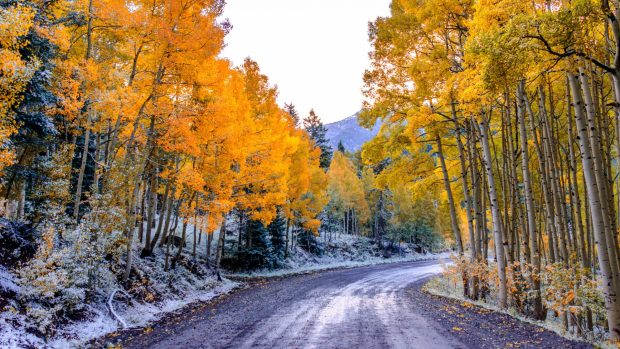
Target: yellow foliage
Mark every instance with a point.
(15, 73)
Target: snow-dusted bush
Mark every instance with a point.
(72, 263)
(47, 288)
(57, 281)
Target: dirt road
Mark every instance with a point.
(371, 307)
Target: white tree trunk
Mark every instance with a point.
(495, 213)
(446, 181)
(596, 212)
(529, 202)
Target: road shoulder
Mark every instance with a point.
(478, 327)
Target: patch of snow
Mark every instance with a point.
(144, 314)
(328, 265)
(7, 281)
(175, 289)
(13, 335)
(138, 315)
(344, 251)
(74, 335)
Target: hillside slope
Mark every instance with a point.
(352, 135)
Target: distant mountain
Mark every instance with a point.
(352, 135)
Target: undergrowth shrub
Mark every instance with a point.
(568, 292)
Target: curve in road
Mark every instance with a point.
(370, 307)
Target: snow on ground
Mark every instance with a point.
(140, 315)
(344, 251)
(171, 291)
(7, 281)
(330, 263)
(12, 337)
(13, 333)
(178, 288)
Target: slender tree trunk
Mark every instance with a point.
(601, 181)
(169, 240)
(172, 210)
(97, 155)
(89, 31)
(446, 180)
(544, 184)
(164, 212)
(239, 232)
(220, 244)
(130, 233)
(195, 237)
(141, 209)
(596, 212)
(529, 205)
(560, 211)
(80, 180)
(466, 190)
(495, 212)
(574, 187)
(288, 222)
(152, 200)
(477, 186)
(209, 242)
(177, 256)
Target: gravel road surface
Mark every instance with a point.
(370, 307)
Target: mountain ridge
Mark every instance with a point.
(352, 135)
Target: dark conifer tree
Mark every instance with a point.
(292, 111)
(36, 130)
(257, 253)
(276, 232)
(309, 242)
(318, 132)
(341, 147)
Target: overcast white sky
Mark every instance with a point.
(315, 51)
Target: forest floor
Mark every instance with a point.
(380, 306)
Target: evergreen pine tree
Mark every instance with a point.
(259, 253)
(276, 232)
(36, 127)
(256, 253)
(309, 242)
(292, 111)
(341, 147)
(318, 132)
